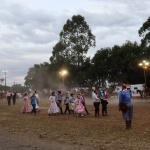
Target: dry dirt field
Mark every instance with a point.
(67, 132)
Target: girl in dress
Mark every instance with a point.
(71, 103)
(37, 101)
(53, 109)
(79, 108)
(26, 106)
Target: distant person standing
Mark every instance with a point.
(33, 103)
(79, 108)
(14, 96)
(37, 97)
(96, 103)
(66, 102)
(104, 102)
(53, 109)
(59, 101)
(82, 99)
(125, 106)
(71, 102)
(37, 101)
(26, 107)
(8, 97)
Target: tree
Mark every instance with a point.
(118, 64)
(19, 88)
(58, 54)
(69, 53)
(2, 80)
(101, 66)
(38, 77)
(144, 32)
(77, 38)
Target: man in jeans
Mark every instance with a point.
(125, 99)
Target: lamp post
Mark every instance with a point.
(63, 73)
(144, 64)
(5, 77)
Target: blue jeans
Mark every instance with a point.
(33, 109)
(129, 114)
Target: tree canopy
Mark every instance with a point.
(77, 38)
(144, 32)
(117, 64)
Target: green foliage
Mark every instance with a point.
(77, 37)
(2, 80)
(19, 88)
(118, 64)
(3, 88)
(38, 76)
(144, 32)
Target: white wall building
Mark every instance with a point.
(135, 88)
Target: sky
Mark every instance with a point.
(29, 29)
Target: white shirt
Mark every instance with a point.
(37, 95)
(95, 98)
(52, 98)
(8, 93)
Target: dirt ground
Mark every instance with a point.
(67, 132)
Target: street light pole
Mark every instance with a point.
(63, 73)
(144, 64)
(5, 77)
(145, 77)
(63, 78)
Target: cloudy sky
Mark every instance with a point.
(29, 29)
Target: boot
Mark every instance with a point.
(130, 124)
(106, 112)
(102, 112)
(95, 114)
(61, 111)
(127, 125)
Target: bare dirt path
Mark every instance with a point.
(17, 142)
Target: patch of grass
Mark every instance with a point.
(100, 133)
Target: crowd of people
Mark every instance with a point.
(75, 105)
(72, 105)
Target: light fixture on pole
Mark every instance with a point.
(63, 73)
(144, 64)
(5, 77)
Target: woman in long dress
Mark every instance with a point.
(79, 108)
(53, 109)
(26, 107)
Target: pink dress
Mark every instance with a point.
(26, 107)
(79, 107)
(53, 106)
